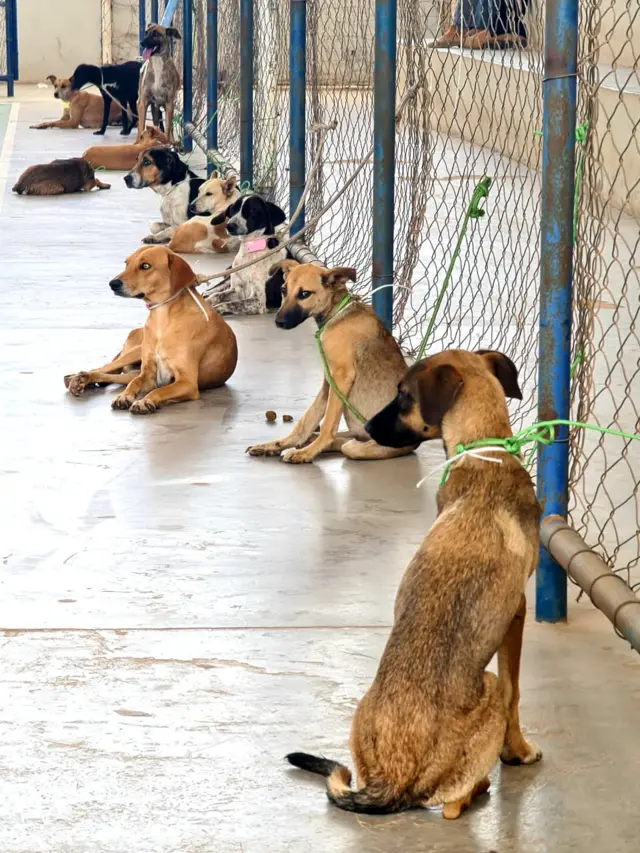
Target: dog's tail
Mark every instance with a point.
(375, 798)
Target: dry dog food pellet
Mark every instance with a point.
(287, 418)
(270, 416)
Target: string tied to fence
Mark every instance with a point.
(473, 211)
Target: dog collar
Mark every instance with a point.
(151, 305)
(258, 245)
(341, 306)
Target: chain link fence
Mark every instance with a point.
(477, 112)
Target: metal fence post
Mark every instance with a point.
(246, 91)
(297, 104)
(11, 40)
(384, 140)
(142, 21)
(556, 269)
(187, 71)
(154, 11)
(212, 78)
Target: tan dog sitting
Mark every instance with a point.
(184, 348)
(434, 721)
(363, 357)
(80, 108)
(198, 234)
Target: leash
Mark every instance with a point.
(325, 364)
(541, 433)
(189, 289)
(474, 211)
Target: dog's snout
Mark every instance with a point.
(128, 179)
(56, 94)
(117, 285)
(232, 228)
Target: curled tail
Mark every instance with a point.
(375, 798)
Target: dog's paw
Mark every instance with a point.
(98, 132)
(143, 407)
(149, 239)
(297, 457)
(123, 401)
(271, 448)
(526, 752)
(76, 383)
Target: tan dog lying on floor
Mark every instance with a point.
(434, 721)
(364, 360)
(123, 157)
(80, 108)
(185, 346)
(198, 234)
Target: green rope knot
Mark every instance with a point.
(480, 192)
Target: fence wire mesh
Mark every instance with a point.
(477, 112)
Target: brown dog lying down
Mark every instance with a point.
(364, 360)
(184, 348)
(58, 177)
(80, 108)
(434, 721)
(198, 234)
(123, 157)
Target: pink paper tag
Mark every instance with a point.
(255, 245)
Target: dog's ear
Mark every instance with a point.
(230, 184)
(180, 272)
(338, 275)
(286, 266)
(220, 218)
(438, 388)
(504, 370)
(276, 213)
(173, 33)
(52, 79)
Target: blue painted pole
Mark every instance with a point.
(212, 77)
(142, 20)
(556, 271)
(169, 11)
(154, 11)
(11, 36)
(298, 106)
(246, 91)
(187, 71)
(384, 141)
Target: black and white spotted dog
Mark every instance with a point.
(253, 221)
(163, 171)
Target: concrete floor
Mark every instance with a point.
(177, 616)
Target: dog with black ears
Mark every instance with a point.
(253, 220)
(117, 83)
(162, 170)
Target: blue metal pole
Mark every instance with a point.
(246, 91)
(187, 71)
(154, 11)
(556, 271)
(384, 140)
(169, 11)
(142, 22)
(297, 103)
(11, 22)
(212, 77)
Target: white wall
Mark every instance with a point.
(56, 35)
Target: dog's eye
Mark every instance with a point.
(145, 266)
(283, 290)
(209, 193)
(146, 162)
(304, 294)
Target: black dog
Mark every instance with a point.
(162, 170)
(120, 81)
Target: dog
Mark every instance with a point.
(434, 721)
(253, 221)
(117, 83)
(198, 235)
(184, 348)
(163, 171)
(123, 157)
(364, 360)
(81, 109)
(159, 80)
(58, 178)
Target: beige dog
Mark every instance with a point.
(185, 346)
(81, 108)
(434, 721)
(198, 234)
(363, 357)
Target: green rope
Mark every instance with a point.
(325, 364)
(582, 132)
(474, 211)
(542, 433)
(575, 364)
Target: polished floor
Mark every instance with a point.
(176, 616)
